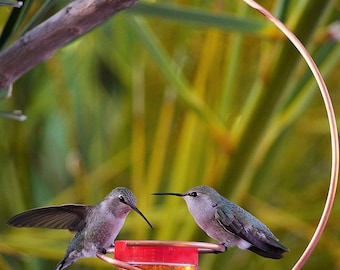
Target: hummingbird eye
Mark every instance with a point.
(121, 199)
(193, 194)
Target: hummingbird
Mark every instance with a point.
(96, 226)
(229, 223)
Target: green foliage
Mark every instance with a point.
(166, 96)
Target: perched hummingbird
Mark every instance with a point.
(96, 226)
(228, 223)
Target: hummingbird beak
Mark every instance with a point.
(141, 214)
(169, 193)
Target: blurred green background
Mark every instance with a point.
(166, 96)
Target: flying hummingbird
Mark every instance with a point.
(96, 226)
(228, 223)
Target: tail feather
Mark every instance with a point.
(60, 265)
(69, 258)
(270, 252)
(64, 263)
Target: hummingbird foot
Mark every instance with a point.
(219, 251)
(110, 249)
(102, 250)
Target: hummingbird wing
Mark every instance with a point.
(67, 216)
(252, 230)
(228, 221)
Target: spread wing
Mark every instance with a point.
(67, 216)
(252, 231)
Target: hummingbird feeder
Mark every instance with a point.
(159, 255)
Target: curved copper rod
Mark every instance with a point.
(115, 262)
(332, 127)
(202, 247)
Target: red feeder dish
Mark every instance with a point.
(162, 255)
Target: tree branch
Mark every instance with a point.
(40, 43)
